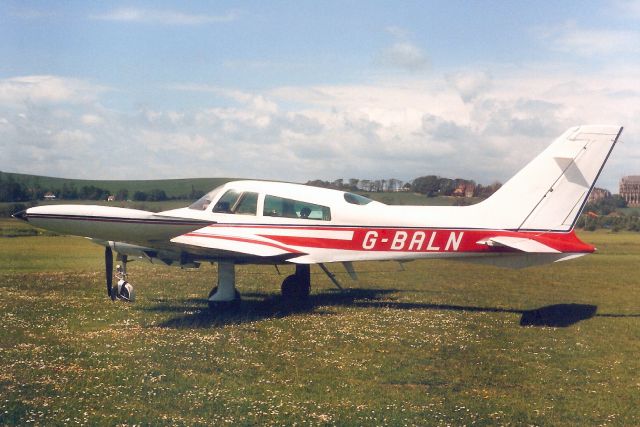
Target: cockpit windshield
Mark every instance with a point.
(203, 202)
(237, 202)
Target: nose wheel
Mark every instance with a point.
(125, 291)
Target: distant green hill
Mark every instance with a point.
(172, 187)
(188, 189)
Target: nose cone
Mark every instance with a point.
(22, 215)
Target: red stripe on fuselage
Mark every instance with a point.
(430, 240)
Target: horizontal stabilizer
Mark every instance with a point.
(522, 244)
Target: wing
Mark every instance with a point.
(266, 244)
(238, 242)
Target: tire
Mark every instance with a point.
(294, 289)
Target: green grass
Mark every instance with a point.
(10, 227)
(440, 343)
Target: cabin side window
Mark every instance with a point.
(356, 199)
(289, 208)
(236, 202)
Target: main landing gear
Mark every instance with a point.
(225, 296)
(296, 287)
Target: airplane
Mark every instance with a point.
(529, 221)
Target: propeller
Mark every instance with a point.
(108, 262)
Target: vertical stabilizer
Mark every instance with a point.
(550, 192)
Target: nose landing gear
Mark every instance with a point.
(124, 290)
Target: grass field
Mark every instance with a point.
(440, 343)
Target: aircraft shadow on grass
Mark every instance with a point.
(259, 306)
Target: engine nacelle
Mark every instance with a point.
(133, 251)
(154, 256)
(151, 255)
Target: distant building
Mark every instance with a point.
(49, 196)
(111, 198)
(630, 190)
(465, 189)
(598, 194)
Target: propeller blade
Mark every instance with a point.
(108, 262)
(21, 215)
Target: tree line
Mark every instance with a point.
(429, 185)
(17, 192)
(605, 213)
(354, 184)
(12, 190)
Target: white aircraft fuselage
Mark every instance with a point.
(528, 221)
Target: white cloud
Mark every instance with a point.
(397, 32)
(589, 42)
(256, 101)
(402, 53)
(462, 124)
(72, 139)
(469, 84)
(47, 89)
(91, 119)
(163, 17)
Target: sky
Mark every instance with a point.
(300, 90)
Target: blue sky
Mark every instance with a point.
(302, 90)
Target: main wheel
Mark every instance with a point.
(218, 306)
(294, 289)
